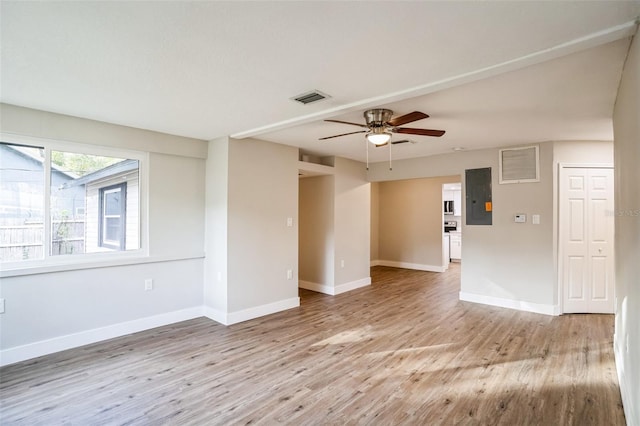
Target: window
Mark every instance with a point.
(60, 199)
(21, 202)
(113, 208)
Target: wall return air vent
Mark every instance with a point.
(519, 165)
(309, 97)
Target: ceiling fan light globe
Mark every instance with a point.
(379, 138)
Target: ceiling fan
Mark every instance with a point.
(381, 125)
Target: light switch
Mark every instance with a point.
(289, 222)
(520, 218)
(535, 219)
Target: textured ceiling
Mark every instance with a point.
(485, 71)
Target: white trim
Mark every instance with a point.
(407, 265)
(262, 310)
(631, 412)
(334, 290)
(586, 165)
(352, 285)
(69, 341)
(320, 288)
(215, 315)
(98, 262)
(374, 263)
(519, 305)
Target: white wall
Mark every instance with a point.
(375, 221)
(316, 245)
(217, 194)
(263, 193)
(46, 312)
(335, 245)
(252, 189)
(626, 126)
(352, 224)
(410, 223)
(505, 264)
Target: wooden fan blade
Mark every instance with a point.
(421, 132)
(346, 122)
(343, 134)
(408, 118)
(395, 143)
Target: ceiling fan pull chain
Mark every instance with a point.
(366, 142)
(390, 168)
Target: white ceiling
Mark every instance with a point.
(489, 73)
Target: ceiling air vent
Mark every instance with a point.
(309, 97)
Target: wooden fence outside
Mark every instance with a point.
(23, 242)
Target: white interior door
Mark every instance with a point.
(586, 240)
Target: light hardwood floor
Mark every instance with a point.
(403, 351)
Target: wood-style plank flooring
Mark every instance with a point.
(403, 351)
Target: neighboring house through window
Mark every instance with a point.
(93, 200)
(113, 213)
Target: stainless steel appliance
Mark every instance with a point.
(448, 207)
(450, 225)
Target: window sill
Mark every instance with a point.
(79, 264)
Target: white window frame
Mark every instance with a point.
(103, 216)
(54, 263)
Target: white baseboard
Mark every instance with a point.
(215, 315)
(69, 341)
(331, 290)
(631, 410)
(407, 265)
(320, 288)
(374, 263)
(510, 304)
(352, 285)
(228, 318)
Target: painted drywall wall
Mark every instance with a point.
(375, 222)
(505, 264)
(626, 128)
(43, 310)
(262, 195)
(176, 205)
(217, 194)
(410, 222)
(57, 306)
(514, 261)
(583, 152)
(316, 231)
(48, 125)
(352, 224)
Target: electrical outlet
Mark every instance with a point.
(342, 263)
(289, 222)
(289, 274)
(148, 284)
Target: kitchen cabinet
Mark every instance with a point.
(445, 251)
(455, 245)
(456, 197)
(457, 203)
